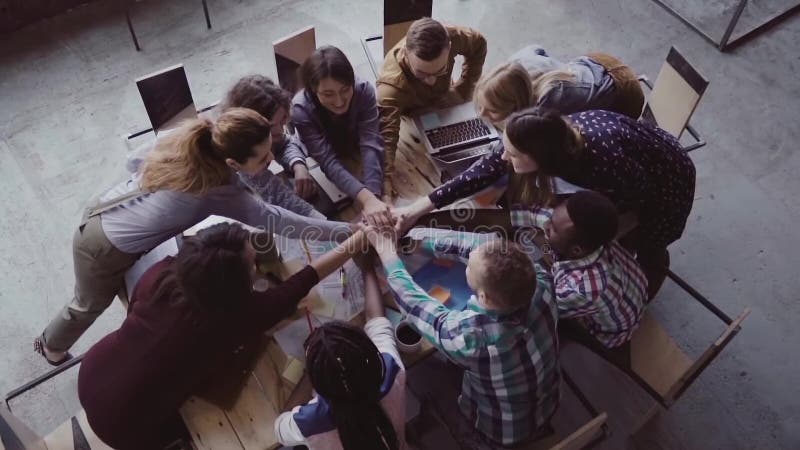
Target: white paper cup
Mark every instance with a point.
(403, 334)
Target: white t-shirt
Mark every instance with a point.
(311, 424)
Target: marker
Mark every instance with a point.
(343, 281)
(308, 259)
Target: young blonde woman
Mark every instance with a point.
(189, 175)
(532, 78)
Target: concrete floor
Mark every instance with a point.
(67, 95)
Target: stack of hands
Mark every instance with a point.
(382, 217)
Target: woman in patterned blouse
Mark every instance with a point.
(641, 168)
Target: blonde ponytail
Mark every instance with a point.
(504, 90)
(192, 158)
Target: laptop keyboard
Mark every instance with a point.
(457, 133)
(468, 153)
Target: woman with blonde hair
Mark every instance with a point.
(189, 175)
(592, 82)
(532, 78)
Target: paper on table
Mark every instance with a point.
(167, 248)
(323, 308)
(330, 291)
(290, 338)
(332, 191)
(293, 371)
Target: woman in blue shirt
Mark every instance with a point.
(336, 116)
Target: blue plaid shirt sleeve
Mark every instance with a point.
(572, 298)
(448, 330)
(456, 245)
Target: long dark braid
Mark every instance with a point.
(346, 369)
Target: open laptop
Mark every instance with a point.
(456, 134)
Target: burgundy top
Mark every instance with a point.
(137, 377)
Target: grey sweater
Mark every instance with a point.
(362, 121)
(143, 223)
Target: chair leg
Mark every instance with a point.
(205, 11)
(130, 28)
(699, 297)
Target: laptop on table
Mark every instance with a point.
(456, 135)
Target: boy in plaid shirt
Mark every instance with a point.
(598, 283)
(505, 339)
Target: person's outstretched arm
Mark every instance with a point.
(472, 45)
(441, 326)
(275, 304)
(479, 175)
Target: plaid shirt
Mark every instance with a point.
(511, 376)
(606, 290)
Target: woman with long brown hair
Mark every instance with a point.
(190, 174)
(336, 116)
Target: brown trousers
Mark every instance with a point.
(99, 275)
(629, 98)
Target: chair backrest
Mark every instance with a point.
(167, 97)
(676, 93)
(15, 435)
(660, 367)
(583, 436)
(74, 433)
(290, 52)
(398, 16)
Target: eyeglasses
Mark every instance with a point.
(422, 74)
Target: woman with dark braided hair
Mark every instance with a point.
(193, 320)
(360, 384)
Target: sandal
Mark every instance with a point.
(38, 347)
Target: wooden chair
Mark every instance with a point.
(397, 17)
(74, 434)
(662, 368)
(586, 436)
(15, 435)
(167, 97)
(290, 52)
(674, 97)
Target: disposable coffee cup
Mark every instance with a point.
(260, 285)
(408, 340)
(268, 256)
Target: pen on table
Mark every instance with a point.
(343, 281)
(308, 259)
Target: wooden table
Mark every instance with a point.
(249, 423)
